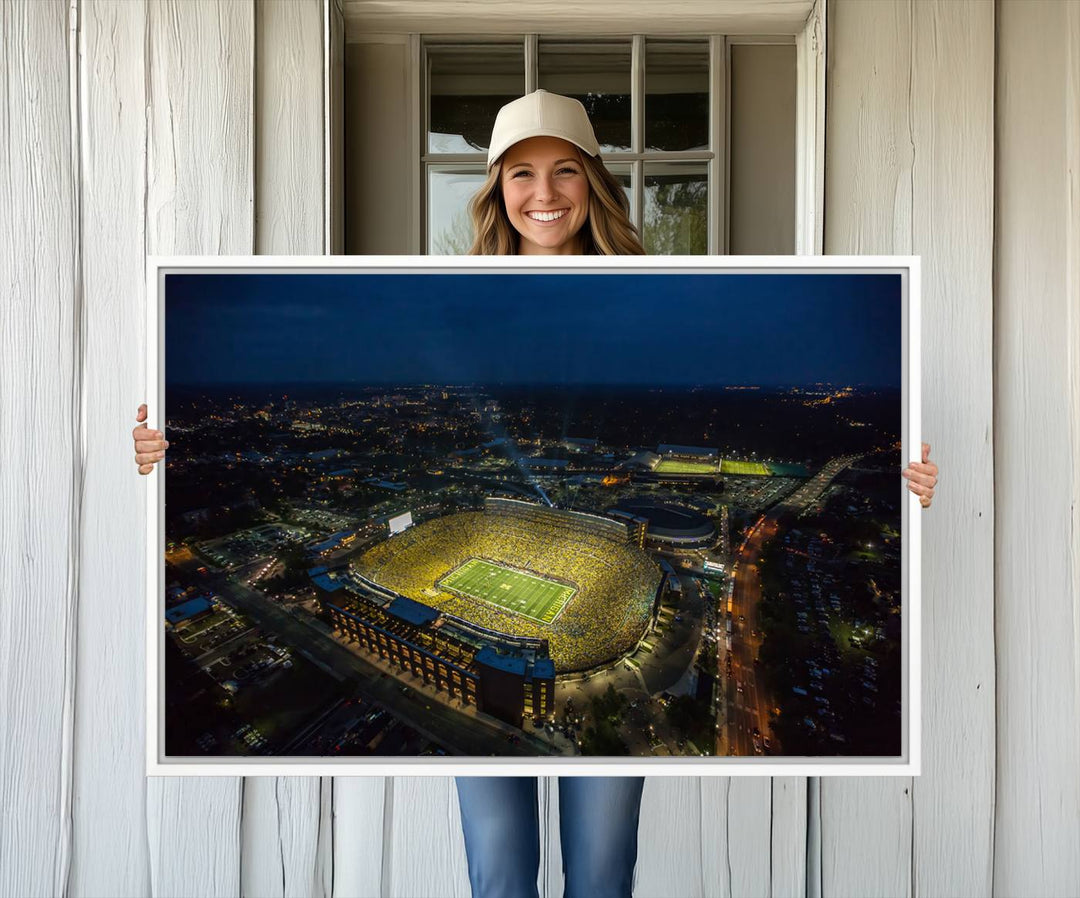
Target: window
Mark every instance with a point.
(661, 109)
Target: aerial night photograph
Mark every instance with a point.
(487, 514)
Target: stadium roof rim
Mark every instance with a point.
(540, 507)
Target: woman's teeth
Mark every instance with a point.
(546, 216)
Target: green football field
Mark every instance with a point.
(731, 466)
(671, 466)
(525, 594)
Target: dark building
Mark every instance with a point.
(506, 677)
(514, 685)
(636, 525)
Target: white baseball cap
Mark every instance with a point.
(541, 114)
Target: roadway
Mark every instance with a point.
(747, 701)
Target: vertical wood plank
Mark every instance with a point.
(41, 456)
(952, 82)
(424, 852)
(361, 809)
(868, 151)
(869, 155)
(200, 185)
(282, 815)
(199, 200)
(910, 170)
(289, 127)
(679, 822)
(1037, 449)
(866, 836)
(810, 134)
(108, 822)
(788, 843)
(749, 835)
(280, 837)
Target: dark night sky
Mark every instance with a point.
(656, 329)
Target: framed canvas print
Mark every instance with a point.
(509, 515)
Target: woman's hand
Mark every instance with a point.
(150, 445)
(922, 477)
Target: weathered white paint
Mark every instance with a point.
(1037, 451)
(424, 852)
(41, 431)
(362, 805)
(556, 17)
(289, 117)
(810, 134)
(675, 813)
(199, 195)
(145, 141)
(952, 122)
(108, 821)
(909, 152)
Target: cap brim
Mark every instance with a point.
(496, 153)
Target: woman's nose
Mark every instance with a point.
(545, 188)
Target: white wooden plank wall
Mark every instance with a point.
(40, 448)
(1037, 450)
(952, 227)
(109, 831)
(199, 198)
(181, 127)
(868, 159)
(909, 169)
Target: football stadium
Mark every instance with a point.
(573, 579)
(688, 462)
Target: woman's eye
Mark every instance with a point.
(568, 171)
(519, 174)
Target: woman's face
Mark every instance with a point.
(546, 195)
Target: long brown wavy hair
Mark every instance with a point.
(607, 231)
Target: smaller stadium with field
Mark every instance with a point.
(680, 466)
(745, 468)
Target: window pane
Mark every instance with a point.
(466, 87)
(676, 95)
(676, 208)
(449, 192)
(597, 74)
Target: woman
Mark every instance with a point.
(547, 193)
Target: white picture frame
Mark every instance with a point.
(907, 763)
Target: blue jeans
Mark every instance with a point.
(598, 822)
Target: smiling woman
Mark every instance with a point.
(547, 190)
(546, 195)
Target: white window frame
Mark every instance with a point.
(809, 42)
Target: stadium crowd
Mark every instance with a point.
(616, 581)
